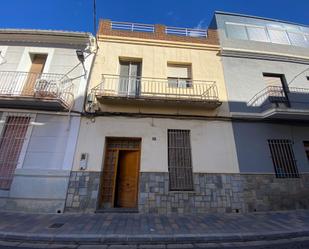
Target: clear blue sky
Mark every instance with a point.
(76, 15)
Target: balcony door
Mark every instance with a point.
(275, 85)
(37, 66)
(129, 80)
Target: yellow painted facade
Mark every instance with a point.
(154, 56)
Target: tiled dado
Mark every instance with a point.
(223, 193)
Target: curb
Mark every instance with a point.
(149, 239)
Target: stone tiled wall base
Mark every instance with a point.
(268, 193)
(220, 193)
(82, 192)
(223, 193)
(212, 193)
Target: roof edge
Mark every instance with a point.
(46, 32)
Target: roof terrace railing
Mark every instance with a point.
(186, 32)
(133, 27)
(150, 28)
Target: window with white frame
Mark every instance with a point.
(179, 160)
(12, 139)
(297, 39)
(278, 36)
(257, 33)
(236, 31)
(269, 32)
(179, 75)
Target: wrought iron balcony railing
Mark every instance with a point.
(294, 96)
(39, 86)
(115, 86)
(273, 94)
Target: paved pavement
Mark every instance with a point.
(140, 231)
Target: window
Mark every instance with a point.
(306, 146)
(236, 31)
(297, 39)
(130, 76)
(278, 36)
(179, 75)
(283, 158)
(179, 160)
(257, 33)
(11, 142)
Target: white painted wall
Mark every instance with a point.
(212, 142)
(49, 140)
(59, 60)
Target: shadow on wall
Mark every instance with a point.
(270, 97)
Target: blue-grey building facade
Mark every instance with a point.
(266, 70)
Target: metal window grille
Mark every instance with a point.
(283, 158)
(179, 160)
(11, 142)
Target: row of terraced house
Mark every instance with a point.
(156, 119)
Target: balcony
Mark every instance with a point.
(115, 88)
(44, 91)
(277, 102)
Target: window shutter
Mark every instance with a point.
(11, 143)
(175, 71)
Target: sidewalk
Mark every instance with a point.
(140, 228)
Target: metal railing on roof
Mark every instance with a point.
(150, 28)
(202, 33)
(133, 27)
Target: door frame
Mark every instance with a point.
(139, 149)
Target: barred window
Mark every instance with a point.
(179, 160)
(283, 158)
(11, 142)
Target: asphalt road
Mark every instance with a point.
(299, 243)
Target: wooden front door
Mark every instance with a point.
(127, 179)
(36, 69)
(119, 181)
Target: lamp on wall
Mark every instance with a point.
(81, 58)
(80, 55)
